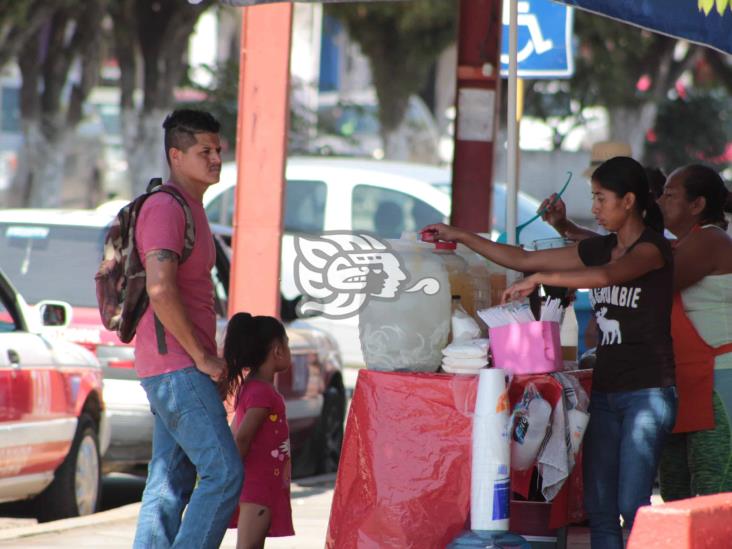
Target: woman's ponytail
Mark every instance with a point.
(653, 217)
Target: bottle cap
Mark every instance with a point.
(442, 245)
(428, 236)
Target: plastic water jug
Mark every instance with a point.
(457, 269)
(408, 331)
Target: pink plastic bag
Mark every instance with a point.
(527, 347)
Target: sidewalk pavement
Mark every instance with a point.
(115, 529)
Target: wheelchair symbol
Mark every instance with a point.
(536, 42)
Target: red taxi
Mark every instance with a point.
(52, 420)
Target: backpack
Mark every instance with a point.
(120, 280)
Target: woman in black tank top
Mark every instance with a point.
(630, 273)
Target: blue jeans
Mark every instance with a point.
(622, 449)
(190, 437)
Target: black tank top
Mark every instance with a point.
(633, 320)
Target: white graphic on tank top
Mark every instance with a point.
(610, 328)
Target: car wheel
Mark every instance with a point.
(330, 431)
(76, 486)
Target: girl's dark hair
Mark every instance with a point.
(247, 344)
(702, 181)
(623, 175)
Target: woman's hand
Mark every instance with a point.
(521, 289)
(440, 231)
(554, 213)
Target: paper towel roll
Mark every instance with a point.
(491, 397)
(490, 483)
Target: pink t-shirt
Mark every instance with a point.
(161, 226)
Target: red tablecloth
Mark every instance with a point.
(404, 475)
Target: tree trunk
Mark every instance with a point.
(160, 30)
(143, 144)
(39, 178)
(396, 145)
(18, 26)
(631, 125)
(70, 36)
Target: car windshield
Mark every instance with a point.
(52, 261)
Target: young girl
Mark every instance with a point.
(259, 344)
(633, 403)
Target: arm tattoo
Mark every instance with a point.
(166, 255)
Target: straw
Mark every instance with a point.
(509, 313)
(519, 228)
(552, 310)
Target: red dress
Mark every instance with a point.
(267, 466)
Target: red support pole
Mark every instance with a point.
(264, 77)
(477, 106)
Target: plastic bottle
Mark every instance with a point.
(577, 420)
(529, 431)
(457, 269)
(479, 275)
(498, 277)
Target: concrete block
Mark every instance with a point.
(703, 522)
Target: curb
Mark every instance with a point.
(120, 513)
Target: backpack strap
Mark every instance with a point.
(154, 183)
(189, 236)
(160, 336)
(189, 239)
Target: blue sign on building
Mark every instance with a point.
(544, 39)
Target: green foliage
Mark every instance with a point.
(221, 97)
(222, 100)
(401, 40)
(20, 19)
(611, 57)
(692, 129)
(12, 10)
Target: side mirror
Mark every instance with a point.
(54, 313)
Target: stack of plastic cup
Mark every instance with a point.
(490, 483)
